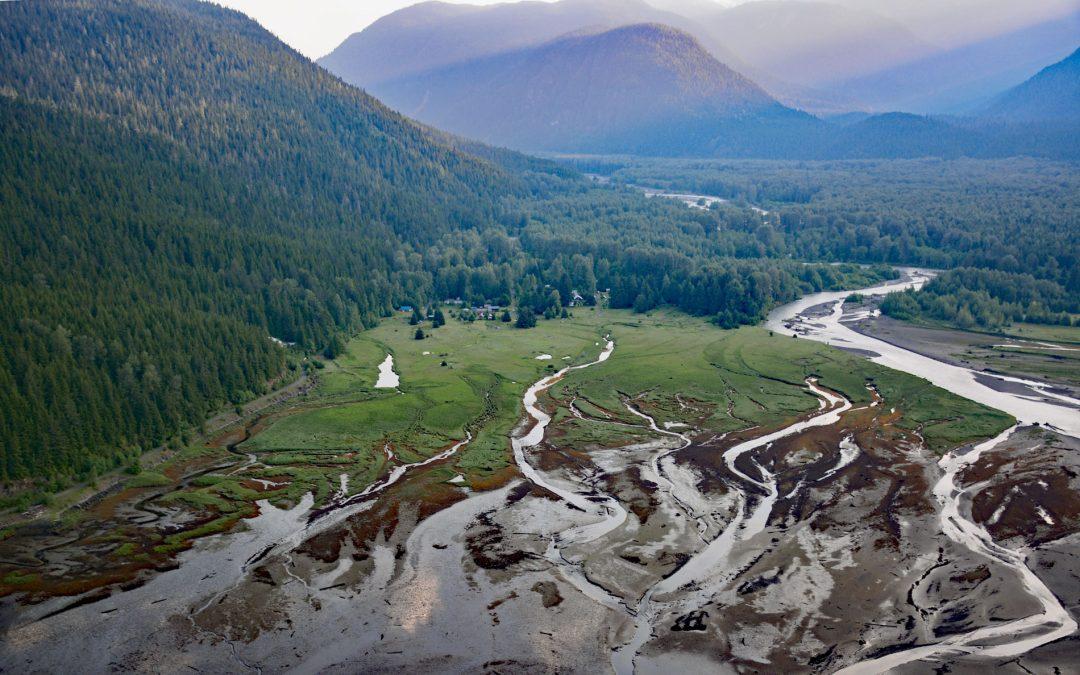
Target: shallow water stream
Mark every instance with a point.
(595, 519)
(1030, 402)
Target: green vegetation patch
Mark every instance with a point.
(149, 479)
(488, 365)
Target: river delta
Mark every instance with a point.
(818, 521)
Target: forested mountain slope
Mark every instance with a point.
(644, 88)
(1051, 94)
(178, 186)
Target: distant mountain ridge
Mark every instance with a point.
(1051, 94)
(643, 88)
(964, 79)
(649, 89)
(431, 35)
(823, 57)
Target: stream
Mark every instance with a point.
(709, 563)
(88, 634)
(758, 493)
(750, 521)
(1020, 636)
(1034, 404)
(1028, 401)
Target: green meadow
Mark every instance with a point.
(462, 378)
(469, 378)
(680, 367)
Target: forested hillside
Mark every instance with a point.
(178, 186)
(1017, 215)
(1051, 94)
(985, 299)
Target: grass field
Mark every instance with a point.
(469, 378)
(488, 365)
(744, 377)
(747, 377)
(1034, 331)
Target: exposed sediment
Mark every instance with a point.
(830, 540)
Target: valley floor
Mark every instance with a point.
(679, 497)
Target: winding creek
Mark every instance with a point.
(709, 562)
(1034, 404)
(219, 564)
(706, 569)
(1004, 640)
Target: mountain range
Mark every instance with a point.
(1052, 94)
(177, 186)
(963, 79)
(822, 57)
(652, 89)
(182, 194)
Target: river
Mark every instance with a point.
(1027, 401)
(93, 634)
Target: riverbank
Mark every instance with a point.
(86, 495)
(1056, 363)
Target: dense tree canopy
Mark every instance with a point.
(1017, 215)
(985, 299)
(177, 187)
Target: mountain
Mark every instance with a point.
(645, 88)
(180, 192)
(964, 78)
(431, 35)
(176, 186)
(653, 90)
(822, 57)
(1051, 94)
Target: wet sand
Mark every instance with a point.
(980, 352)
(820, 544)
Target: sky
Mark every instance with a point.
(315, 27)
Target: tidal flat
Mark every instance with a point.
(356, 527)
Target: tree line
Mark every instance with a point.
(982, 299)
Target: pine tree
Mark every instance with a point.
(526, 318)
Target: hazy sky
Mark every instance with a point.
(314, 27)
